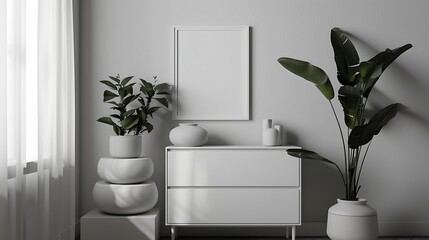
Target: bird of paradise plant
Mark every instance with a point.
(357, 79)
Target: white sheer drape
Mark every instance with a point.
(37, 120)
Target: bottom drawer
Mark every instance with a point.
(233, 206)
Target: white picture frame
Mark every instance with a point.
(211, 73)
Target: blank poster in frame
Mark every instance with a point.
(211, 73)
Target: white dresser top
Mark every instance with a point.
(249, 147)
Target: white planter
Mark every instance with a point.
(129, 146)
(125, 199)
(352, 220)
(125, 170)
(188, 135)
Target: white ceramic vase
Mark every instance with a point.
(124, 199)
(270, 134)
(352, 220)
(125, 170)
(188, 135)
(128, 146)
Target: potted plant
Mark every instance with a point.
(127, 177)
(350, 218)
(131, 117)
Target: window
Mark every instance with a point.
(22, 79)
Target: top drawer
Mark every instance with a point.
(232, 167)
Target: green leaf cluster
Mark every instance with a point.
(357, 78)
(120, 95)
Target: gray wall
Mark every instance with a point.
(134, 37)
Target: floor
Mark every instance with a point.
(300, 238)
(272, 238)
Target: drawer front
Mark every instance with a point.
(232, 168)
(233, 206)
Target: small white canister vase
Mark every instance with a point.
(125, 170)
(188, 135)
(128, 146)
(352, 220)
(125, 199)
(270, 137)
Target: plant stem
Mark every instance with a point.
(355, 182)
(344, 146)
(363, 160)
(356, 155)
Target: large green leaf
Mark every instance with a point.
(129, 88)
(361, 135)
(350, 99)
(149, 127)
(122, 92)
(346, 57)
(163, 87)
(163, 101)
(151, 110)
(395, 53)
(130, 122)
(142, 115)
(147, 84)
(129, 99)
(372, 69)
(107, 120)
(126, 80)
(307, 154)
(128, 113)
(115, 116)
(114, 79)
(310, 73)
(141, 101)
(147, 87)
(118, 130)
(108, 95)
(109, 84)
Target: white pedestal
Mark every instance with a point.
(96, 225)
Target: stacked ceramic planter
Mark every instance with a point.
(126, 188)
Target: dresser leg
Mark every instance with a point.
(293, 233)
(173, 233)
(287, 232)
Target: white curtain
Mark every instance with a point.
(37, 120)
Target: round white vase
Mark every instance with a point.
(125, 199)
(125, 170)
(188, 135)
(352, 220)
(128, 146)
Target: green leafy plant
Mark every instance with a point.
(121, 95)
(357, 79)
(158, 92)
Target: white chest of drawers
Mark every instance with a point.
(232, 186)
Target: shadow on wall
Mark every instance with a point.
(379, 100)
(217, 139)
(321, 185)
